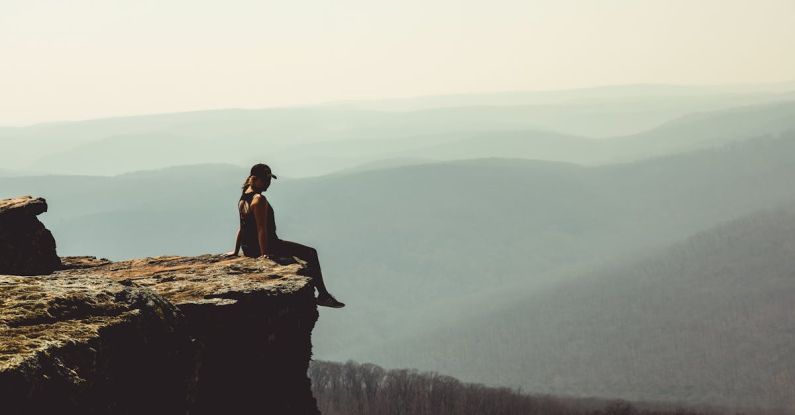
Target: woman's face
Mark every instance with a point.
(262, 184)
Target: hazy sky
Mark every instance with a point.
(63, 60)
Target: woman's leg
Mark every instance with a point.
(306, 253)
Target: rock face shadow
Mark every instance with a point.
(26, 246)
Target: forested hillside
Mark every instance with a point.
(708, 319)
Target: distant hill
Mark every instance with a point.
(711, 129)
(529, 144)
(694, 98)
(9, 173)
(706, 320)
(385, 163)
(286, 137)
(691, 132)
(437, 134)
(309, 141)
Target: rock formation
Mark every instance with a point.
(88, 344)
(158, 335)
(26, 246)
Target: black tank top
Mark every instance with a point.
(248, 226)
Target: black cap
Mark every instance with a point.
(262, 171)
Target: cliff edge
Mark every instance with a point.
(159, 335)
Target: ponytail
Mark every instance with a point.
(247, 183)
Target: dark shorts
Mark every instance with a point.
(252, 250)
(281, 248)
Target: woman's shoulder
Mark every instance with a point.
(259, 198)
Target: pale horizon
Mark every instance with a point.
(82, 60)
(788, 83)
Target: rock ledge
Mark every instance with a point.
(198, 335)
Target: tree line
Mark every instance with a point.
(366, 389)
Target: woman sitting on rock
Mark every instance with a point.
(257, 233)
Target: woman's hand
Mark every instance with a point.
(238, 240)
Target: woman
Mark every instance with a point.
(257, 233)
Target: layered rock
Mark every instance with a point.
(26, 246)
(162, 335)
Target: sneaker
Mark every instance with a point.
(328, 300)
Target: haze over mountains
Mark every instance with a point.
(318, 140)
(497, 241)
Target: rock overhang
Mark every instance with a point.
(89, 294)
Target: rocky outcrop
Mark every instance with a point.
(26, 246)
(89, 344)
(159, 335)
(176, 335)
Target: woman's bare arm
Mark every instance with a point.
(260, 206)
(237, 241)
(236, 252)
